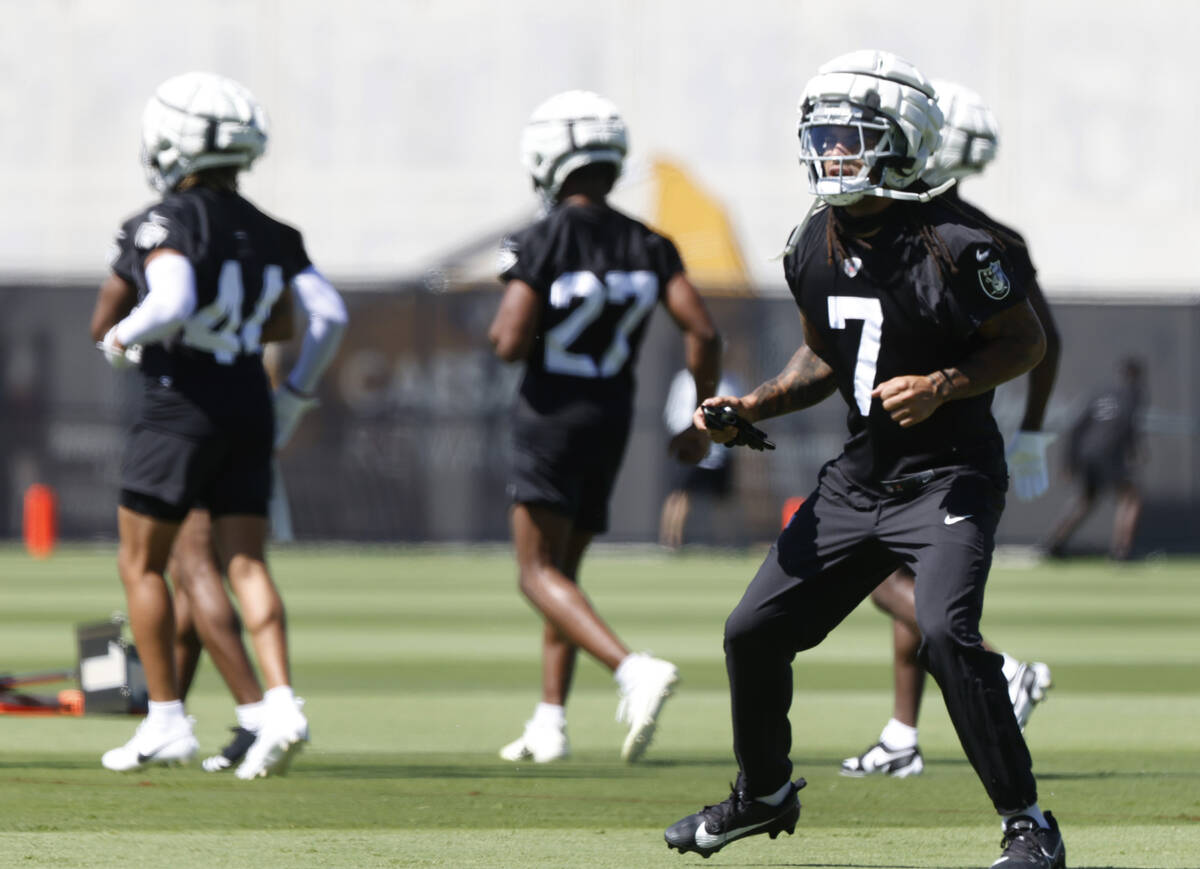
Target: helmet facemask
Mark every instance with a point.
(885, 116)
(845, 149)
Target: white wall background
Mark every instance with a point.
(395, 123)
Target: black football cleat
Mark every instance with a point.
(1028, 846)
(233, 753)
(714, 827)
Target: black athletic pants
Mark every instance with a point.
(843, 542)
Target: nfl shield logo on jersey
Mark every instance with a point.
(994, 281)
(851, 266)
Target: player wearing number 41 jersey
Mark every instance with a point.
(580, 285)
(212, 276)
(908, 309)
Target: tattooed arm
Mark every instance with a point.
(806, 380)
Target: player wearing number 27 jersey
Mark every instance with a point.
(580, 285)
(598, 275)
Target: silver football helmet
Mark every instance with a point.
(568, 131)
(868, 122)
(198, 121)
(969, 135)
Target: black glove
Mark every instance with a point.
(725, 416)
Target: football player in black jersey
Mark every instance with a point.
(1104, 447)
(909, 310)
(580, 286)
(969, 141)
(205, 617)
(213, 277)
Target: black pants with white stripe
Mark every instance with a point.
(843, 542)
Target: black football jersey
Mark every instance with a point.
(599, 275)
(1024, 274)
(243, 260)
(887, 311)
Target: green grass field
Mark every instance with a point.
(417, 665)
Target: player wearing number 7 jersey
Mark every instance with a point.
(580, 285)
(213, 277)
(908, 310)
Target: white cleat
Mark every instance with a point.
(541, 743)
(168, 746)
(1027, 689)
(881, 759)
(653, 681)
(281, 737)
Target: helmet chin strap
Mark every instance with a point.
(906, 196)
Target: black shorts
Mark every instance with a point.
(696, 480)
(1098, 473)
(571, 470)
(179, 456)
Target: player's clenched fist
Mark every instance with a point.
(910, 398)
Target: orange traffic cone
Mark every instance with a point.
(41, 520)
(790, 506)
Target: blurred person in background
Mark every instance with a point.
(969, 140)
(580, 284)
(1104, 449)
(213, 278)
(909, 311)
(711, 477)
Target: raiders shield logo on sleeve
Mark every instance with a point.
(994, 281)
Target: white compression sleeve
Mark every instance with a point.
(327, 320)
(170, 300)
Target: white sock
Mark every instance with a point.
(1031, 812)
(1010, 667)
(624, 674)
(777, 797)
(280, 696)
(249, 715)
(549, 715)
(897, 734)
(164, 714)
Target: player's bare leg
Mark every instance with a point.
(1125, 520)
(896, 598)
(188, 647)
(896, 752)
(541, 537)
(675, 511)
(241, 541)
(208, 611)
(165, 736)
(142, 560)
(558, 653)
(545, 544)
(1057, 544)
